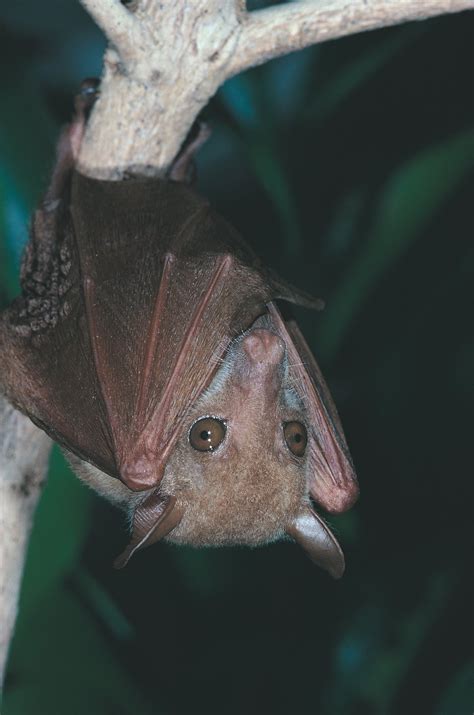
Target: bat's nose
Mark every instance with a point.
(262, 347)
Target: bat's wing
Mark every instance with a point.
(133, 291)
(333, 482)
(45, 366)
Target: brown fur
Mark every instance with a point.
(251, 486)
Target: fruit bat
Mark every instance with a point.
(148, 343)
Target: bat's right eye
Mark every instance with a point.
(207, 434)
(296, 437)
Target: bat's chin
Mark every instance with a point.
(240, 527)
(305, 526)
(176, 519)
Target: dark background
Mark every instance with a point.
(348, 167)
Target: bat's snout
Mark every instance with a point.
(262, 348)
(138, 476)
(257, 369)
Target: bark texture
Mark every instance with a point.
(166, 60)
(24, 453)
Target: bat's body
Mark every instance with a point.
(147, 342)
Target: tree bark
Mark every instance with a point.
(167, 60)
(24, 454)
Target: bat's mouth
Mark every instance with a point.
(310, 531)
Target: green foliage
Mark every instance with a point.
(409, 201)
(348, 168)
(59, 531)
(67, 663)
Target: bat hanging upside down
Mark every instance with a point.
(148, 344)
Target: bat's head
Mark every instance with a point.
(248, 459)
(238, 470)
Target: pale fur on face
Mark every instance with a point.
(251, 486)
(247, 490)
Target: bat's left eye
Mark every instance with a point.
(296, 437)
(207, 434)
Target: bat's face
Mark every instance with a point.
(247, 459)
(239, 469)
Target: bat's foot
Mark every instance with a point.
(86, 98)
(183, 168)
(83, 103)
(70, 139)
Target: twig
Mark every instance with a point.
(279, 30)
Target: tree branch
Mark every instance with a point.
(282, 29)
(148, 104)
(168, 60)
(119, 25)
(24, 453)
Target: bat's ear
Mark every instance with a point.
(332, 479)
(312, 534)
(282, 290)
(153, 519)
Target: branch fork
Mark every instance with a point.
(167, 59)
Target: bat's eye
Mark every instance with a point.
(206, 434)
(296, 437)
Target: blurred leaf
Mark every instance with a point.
(408, 202)
(204, 572)
(459, 696)
(82, 675)
(59, 531)
(288, 80)
(272, 176)
(341, 232)
(9, 284)
(26, 134)
(245, 98)
(13, 235)
(374, 654)
(238, 96)
(55, 48)
(102, 604)
(336, 87)
(386, 671)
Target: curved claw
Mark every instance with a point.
(319, 543)
(154, 518)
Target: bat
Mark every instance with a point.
(148, 343)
